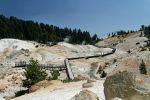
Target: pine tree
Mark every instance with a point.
(33, 74)
(11, 27)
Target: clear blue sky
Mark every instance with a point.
(95, 16)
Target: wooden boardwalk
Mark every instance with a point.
(93, 56)
(66, 65)
(23, 64)
(50, 67)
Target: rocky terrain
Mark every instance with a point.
(120, 67)
(128, 86)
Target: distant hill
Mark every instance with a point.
(12, 27)
(119, 37)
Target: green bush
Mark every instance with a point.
(33, 74)
(22, 92)
(142, 68)
(54, 75)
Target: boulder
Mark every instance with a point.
(87, 85)
(85, 95)
(8, 97)
(80, 77)
(45, 84)
(91, 80)
(123, 85)
(55, 82)
(116, 98)
(34, 88)
(14, 77)
(38, 85)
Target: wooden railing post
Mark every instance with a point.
(68, 70)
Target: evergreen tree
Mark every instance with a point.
(33, 74)
(95, 37)
(11, 27)
(147, 32)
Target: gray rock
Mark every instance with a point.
(85, 95)
(116, 98)
(123, 85)
(87, 85)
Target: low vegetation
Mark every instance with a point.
(22, 92)
(146, 30)
(103, 74)
(33, 74)
(120, 33)
(54, 75)
(142, 68)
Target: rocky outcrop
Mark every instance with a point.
(116, 98)
(87, 85)
(124, 85)
(8, 97)
(80, 77)
(85, 95)
(45, 84)
(38, 85)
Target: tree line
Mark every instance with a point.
(120, 33)
(146, 30)
(12, 27)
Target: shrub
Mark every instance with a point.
(142, 68)
(104, 74)
(115, 60)
(22, 92)
(54, 75)
(129, 51)
(54, 43)
(33, 74)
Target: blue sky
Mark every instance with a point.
(95, 16)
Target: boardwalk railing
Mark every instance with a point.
(20, 64)
(23, 64)
(66, 65)
(94, 56)
(50, 67)
(68, 69)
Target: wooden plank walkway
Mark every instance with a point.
(66, 65)
(50, 67)
(42, 66)
(93, 56)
